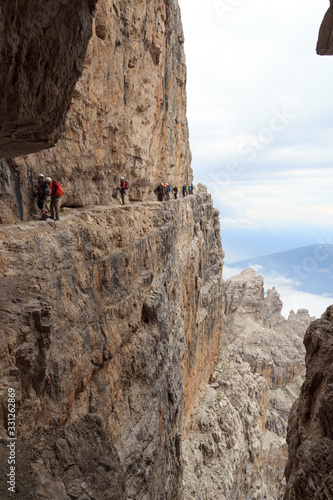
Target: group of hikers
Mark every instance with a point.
(48, 190)
(163, 191)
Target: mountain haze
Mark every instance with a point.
(310, 268)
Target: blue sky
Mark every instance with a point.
(260, 117)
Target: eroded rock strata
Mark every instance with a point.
(222, 452)
(310, 431)
(127, 115)
(258, 332)
(111, 317)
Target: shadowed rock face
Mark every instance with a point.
(42, 50)
(310, 430)
(111, 320)
(325, 37)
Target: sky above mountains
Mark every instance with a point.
(261, 134)
(259, 111)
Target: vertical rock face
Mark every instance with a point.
(236, 447)
(244, 293)
(127, 116)
(42, 49)
(222, 452)
(271, 308)
(258, 333)
(299, 321)
(310, 430)
(111, 321)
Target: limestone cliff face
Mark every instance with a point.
(110, 324)
(299, 321)
(42, 50)
(258, 332)
(244, 294)
(127, 115)
(222, 452)
(310, 463)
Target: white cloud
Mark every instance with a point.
(285, 201)
(243, 66)
(238, 222)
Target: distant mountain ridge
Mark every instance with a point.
(310, 267)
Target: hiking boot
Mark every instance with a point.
(57, 218)
(44, 217)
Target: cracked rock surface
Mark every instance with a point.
(310, 447)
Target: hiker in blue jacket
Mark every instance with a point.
(41, 192)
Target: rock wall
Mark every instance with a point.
(244, 294)
(222, 452)
(127, 115)
(111, 322)
(310, 429)
(257, 333)
(42, 50)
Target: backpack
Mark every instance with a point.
(47, 191)
(59, 190)
(126, 185)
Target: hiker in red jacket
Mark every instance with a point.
(122, 189)
(56, 194)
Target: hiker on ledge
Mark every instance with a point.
(190, 189)
(175, 192)
(56, 194)
(160, 192)
(167, 191)
(184, 190)
(41, 192)
(122, 189)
